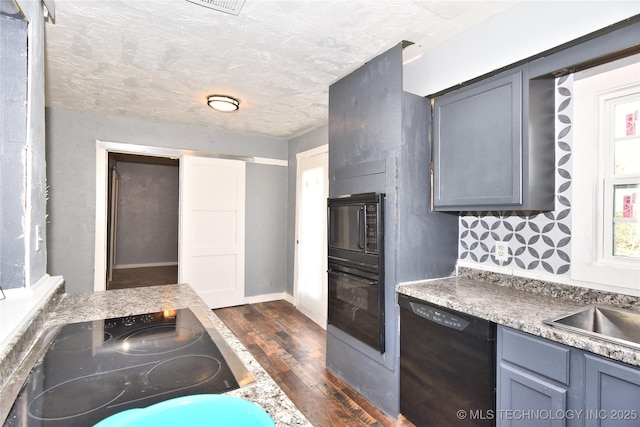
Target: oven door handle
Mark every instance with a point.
(361, 226)
(351, 277)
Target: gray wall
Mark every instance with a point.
(13, 135)
(311, 139)
(24, 150)
(36, 166)
(266, 225)
(71, 159)
(147, 224)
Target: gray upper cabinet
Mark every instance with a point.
(494, 138)
(486, 156)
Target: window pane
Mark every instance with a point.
(626, 227)
(626, 119)
(625, 200)
(626, 239)
(627, 138)
(627, 156)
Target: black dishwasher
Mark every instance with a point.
(447, 366)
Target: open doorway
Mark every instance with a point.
(211, 218)
(142, 220)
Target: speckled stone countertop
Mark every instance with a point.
(117, 303)
(524, 307)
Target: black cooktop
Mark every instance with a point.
(95, 369)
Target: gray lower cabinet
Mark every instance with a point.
(544, 383)
(522, 392)
(494, 145)
(612, 393)
(533, 378)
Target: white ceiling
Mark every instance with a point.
(159, 59)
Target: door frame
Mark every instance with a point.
(103, 148)
(304, 154)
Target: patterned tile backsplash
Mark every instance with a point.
(538, 242)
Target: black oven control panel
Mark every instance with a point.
(371, 212)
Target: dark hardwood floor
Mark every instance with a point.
(291, 348)
(125, 278)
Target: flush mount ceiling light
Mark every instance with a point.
(231, 7)
(223, 103)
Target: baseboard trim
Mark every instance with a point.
(269, 297)
(149, 264)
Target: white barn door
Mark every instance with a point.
(212, 223)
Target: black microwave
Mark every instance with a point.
(356, 223)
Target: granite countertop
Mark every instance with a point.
(522, 309)
(117, 303)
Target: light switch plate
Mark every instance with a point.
(39, 239)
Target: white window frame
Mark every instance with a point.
(591, 165)
(607, 103)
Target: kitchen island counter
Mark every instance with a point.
(524, 306)
(119, 303)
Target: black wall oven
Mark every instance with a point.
(356, 267)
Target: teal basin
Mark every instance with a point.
(200, 410)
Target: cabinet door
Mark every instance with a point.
(612, 393)
(478, 145)
(538, 355)
(522, 395)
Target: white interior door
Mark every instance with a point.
(212, 223)
(311, 236)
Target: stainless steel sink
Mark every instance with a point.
(600, 321)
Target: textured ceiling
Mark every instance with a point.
(159, 59)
